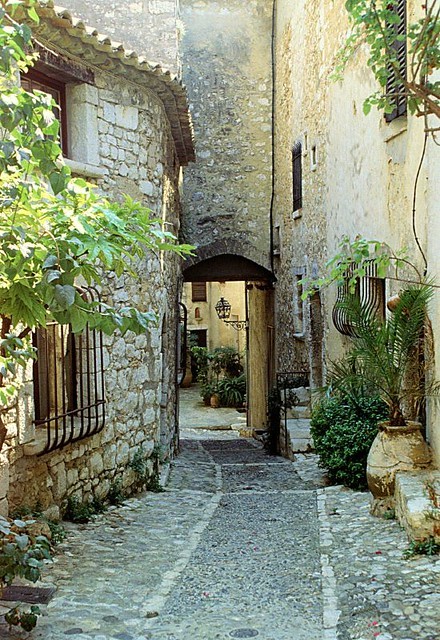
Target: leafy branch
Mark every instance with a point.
(374, 23)
(353, 260)
(55, 231)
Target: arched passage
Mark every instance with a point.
(258, 293)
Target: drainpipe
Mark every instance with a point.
(272, 198)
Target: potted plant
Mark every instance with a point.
(209, 391)
(386, 357)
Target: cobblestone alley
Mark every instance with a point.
(240, 545)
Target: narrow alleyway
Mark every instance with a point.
(240, 545)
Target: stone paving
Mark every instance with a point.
(240, 545)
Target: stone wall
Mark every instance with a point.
(150, 27)
(362, 182)
(301, 112)
(227, 70)
(136, 156)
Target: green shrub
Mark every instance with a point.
(22, 555)
(343, 429)
(77, 511)
(226, 361)
(232, 391)
(115, 494)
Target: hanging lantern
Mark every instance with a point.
(223, 309)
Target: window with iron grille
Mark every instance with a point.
(297, 176)
(33, 81)
(68, 383)
(198, 291)
(394, 87)
(369, 291)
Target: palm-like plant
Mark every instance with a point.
(386, 355)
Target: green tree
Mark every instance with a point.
(54, 229)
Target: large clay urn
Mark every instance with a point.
(401, 448)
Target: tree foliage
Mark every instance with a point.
(55, 230)
(373, 22)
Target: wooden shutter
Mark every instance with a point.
(198, 291)
(297, 175)
(397, 90)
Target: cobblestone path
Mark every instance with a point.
(241, 545)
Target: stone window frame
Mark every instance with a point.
(297, 181)
(79, 110)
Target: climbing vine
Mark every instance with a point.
(374, 23)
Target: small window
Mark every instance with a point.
(37, 81)
(314, 157)
(197, 315)
(369, 290)
(198, 291)
(297, 176)
(68, 383)
(394, 88)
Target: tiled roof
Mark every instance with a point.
(60, 29)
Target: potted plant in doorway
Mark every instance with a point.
(389, 357)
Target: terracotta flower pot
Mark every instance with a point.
(215, 401)
(394, 449)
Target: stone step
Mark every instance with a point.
(417, 499)
(299, 435)
(299, 412)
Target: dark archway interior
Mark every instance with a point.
(226, 267)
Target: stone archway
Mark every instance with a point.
(209, 266)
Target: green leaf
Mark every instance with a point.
(33, 15)
(22, 541)
(58, 182)
(78, 320)
(366, 108)
(65, 295)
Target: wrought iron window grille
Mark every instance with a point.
(68, 383)
(369, 291)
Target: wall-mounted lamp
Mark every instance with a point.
(223, 309)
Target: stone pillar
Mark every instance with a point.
(260, 320)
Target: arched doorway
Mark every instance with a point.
(257, 324)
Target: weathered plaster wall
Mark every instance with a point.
(227, 69)
(136, 151)
(150, 27)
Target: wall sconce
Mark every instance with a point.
(223, 309)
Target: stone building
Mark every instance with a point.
(357, 177)
(126, 127)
